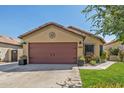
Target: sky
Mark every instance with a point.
(16, 20)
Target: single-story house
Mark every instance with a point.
(112, 44)
(53, 43)
(10, 49)
(115, 44)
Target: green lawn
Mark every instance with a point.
(111, 77)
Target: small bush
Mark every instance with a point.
(93, 62)
(23, 43)
(89, 57)
(81, 61)
(114, 51)
(121, 56)
(81, 58)
(23, 57)
(97, 59)
(103, 57)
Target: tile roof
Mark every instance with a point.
(70, 29)
(86, 32)
(9, 40)
(47, 24)
(111, 42)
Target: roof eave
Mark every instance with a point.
(10, 44)
(47, 24)
(75, 28)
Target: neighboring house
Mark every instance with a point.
(10, 49)
(115, 44)
(112, 44)
(54, 43)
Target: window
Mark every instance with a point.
(89, 49)
(101, 49)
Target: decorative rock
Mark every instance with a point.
(73, 81)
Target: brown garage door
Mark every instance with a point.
(52, 53)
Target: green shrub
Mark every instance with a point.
(81, 58)
(23, 43)
(97, 59)
(89, 57)
(114, 51)
(103, 57)
(81, 61)
(121, 56)
(23, 57)
(93, 62)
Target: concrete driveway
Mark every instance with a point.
(36, 75)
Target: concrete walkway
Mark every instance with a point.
(99, 67)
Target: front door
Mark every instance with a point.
(14, 55)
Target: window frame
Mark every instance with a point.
(100, 50)
(93, 51)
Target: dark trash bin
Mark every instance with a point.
(23, 60)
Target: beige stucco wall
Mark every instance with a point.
(61, 36)
(7, 48)
(92, 40)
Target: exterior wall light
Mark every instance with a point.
(80, 42)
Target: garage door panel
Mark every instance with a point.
(50, 53)
(39, 61)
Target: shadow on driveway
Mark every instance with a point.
(14, 67)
